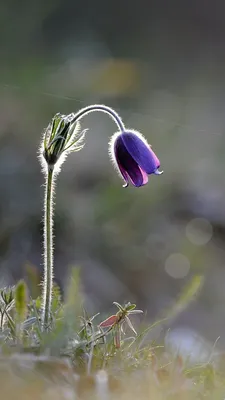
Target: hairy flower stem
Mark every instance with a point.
(102, 108)
(48, 251)
(53, 149)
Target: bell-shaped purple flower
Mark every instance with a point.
(133, 157)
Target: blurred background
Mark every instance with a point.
(161, 65)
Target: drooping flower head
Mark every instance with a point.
(131, 154)
(133, 157)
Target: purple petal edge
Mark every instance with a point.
(140, 152)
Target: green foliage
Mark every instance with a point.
(33, 278)
(188, 294)
(7, 297)
(21, 301)
(80, 343)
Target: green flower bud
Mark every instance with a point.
(61, 137)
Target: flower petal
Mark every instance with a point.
(140, 151)
(145, 177)
(109, 321)
(127, 165)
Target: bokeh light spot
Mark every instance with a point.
(199, 231)
(177, 266)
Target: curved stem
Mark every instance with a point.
(100, 107)
(48, 251)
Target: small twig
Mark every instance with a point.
(100, 336)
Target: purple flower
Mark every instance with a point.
(133, 157)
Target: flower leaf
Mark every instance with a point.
(130, 324)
